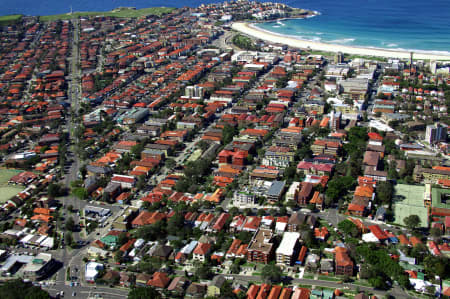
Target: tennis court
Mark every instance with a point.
(409, 200)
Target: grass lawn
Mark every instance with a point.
(119, 13)
(328, 278)
(308, 276)
(306, 286)
(6, 174)
(195, 155)
(408, 200)
(359, 282)
(8, 192)
(9, 19)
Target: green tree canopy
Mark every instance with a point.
(144, 293)
(349, 228)
(385, 192)
(18, 289)
(80, 192)
(70, 224)
(412, 221)
(271, 273)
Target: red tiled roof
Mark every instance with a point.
(202, 248)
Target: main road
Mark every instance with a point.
(72, 175)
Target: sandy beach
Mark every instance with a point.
(248, 29)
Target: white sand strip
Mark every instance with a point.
(298, 43)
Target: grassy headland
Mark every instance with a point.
(9, 19)
(124, 12)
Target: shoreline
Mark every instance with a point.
(249, 29)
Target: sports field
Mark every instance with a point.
(409, 200)
(8, 191)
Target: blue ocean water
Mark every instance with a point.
(391, 24)
(405, 24)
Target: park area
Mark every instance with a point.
(409, 200)
(8, 191)
(124, 12)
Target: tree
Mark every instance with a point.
(18, 289)
(70, 224)
(69, 238)
(271, 273)
(439, 266)
(80, 192)
(290, 172)
(204, 271)
(203, 145)
(385, 192)
(55, 190)
(170, 163)
(228, 133)
(339, 186)
(435, 232)
(137, 149)
(235, 268)
(419, 252)
(122, 238)
(349, 228)
(144, 293)
(412, 221)
(141, 182)
(118, 256)
(261, 212)
(234, 211)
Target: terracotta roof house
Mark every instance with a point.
(146, 217)
(23, 178)
(201, 251)
(285, 293)
(253, 291)
(159, 280)
(343, 263)
(364, 192)
(378, 232)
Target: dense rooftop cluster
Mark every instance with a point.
(169, 158)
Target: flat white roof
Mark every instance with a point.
(27, 238)
(92, 270)
(49, 242)
(288, 243)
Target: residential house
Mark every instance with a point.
(343, 262)
(159, 280)
(196, 290)
(145, 218)
(161, 252)
(215, 286)
(142, 279)
(178, 285)
(202, 251)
